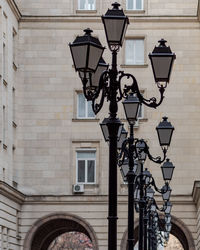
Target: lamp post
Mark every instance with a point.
(133, 149)
(87, 52)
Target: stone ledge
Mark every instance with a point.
(11, 193)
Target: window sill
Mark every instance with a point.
(134, 65)
(86, 11)
(134, 11)
(85, 120)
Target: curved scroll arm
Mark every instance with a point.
(152, 102)
(123, 153)
(103, 89)
(156, 159)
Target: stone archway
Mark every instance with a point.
(47, 228)
(179, 230)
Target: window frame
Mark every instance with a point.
(134, 6)
(86, 9)
(134, 63)
(86, 165)
(86, 117)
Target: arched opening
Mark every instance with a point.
(71, 240)
(48, 228)
(173, 243)
(179, 235)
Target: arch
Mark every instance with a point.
(47, 228)
(179, 230)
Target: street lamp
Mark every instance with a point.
(87, 52)
(165, 131)
(115, 25)
(167, 170)
(162, 60)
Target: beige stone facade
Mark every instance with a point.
(40, 132)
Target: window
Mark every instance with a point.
(141, 112)
(134, 52)
(84, 108)
(86, 165)
(134, 4)
(86, 4)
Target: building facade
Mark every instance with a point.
(49, 138)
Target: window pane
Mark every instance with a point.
(138, 4)
(130, 4)
(134, 51)
(139, 51)
(82, 4)
(90, 110)
(91, 171)
(140, 113)
(81, 171)
(81, 106)
(86, 155)
(129, 52)
(91, 4)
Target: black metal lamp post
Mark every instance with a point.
(87, 53)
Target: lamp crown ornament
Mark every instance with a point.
(116, 5)
(88, 31)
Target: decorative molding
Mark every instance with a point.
(11, 193)
(196, 192)
(97, 18)
(15, 9)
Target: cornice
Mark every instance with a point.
(11, 193)
(97, 18)
(14, 8)
(97, 199)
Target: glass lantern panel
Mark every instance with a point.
(79, 54)
(166, 195)
(114, 29)
(96, 76)
(165, 136)
(161, 67)
(105, 132)
(131, 110)
(94, 57)
(167, 173)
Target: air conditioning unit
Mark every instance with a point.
(78, 188)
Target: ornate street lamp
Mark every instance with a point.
(162, 60)
(168, 207)
(167, 170)
(166, 192)
(86, 52)
(100, 83)
(122, 138)
(131, 108)
(115, 25)
(165, 131)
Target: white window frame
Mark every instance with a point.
(134, 5)
(86, 108)
(134, 62)
(87, 5)
(142, 112)
(86, 165)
